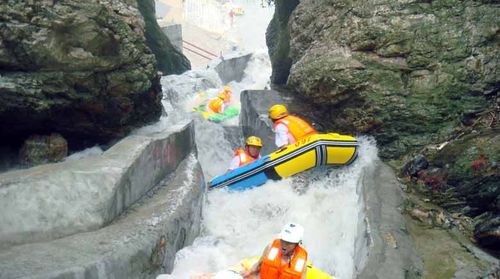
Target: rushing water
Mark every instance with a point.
(238, 225)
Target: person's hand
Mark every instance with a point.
(246, 273)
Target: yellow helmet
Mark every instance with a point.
(254, 141)
(277, 111)
(227, 88)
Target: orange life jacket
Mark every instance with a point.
(215, 105)
(297, 127)
(245, 158)
(272, 268)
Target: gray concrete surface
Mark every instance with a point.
(254, 119)
(140, 244)
(231, 67)
(384, 249)
(174, 34)
(56, 200)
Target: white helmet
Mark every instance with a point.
(227, 274)
(292, 233)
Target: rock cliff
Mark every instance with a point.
(81, 69)
(420, 76)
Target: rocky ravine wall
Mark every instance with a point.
(277, 40)
(411, 73)
(81, 69)
(169, 59)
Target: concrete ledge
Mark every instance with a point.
(384, 250)
(231, 67)
(139, 244)
(254, 119)
(56, 200)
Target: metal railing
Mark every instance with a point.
(198, 50)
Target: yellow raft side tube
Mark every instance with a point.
(312, 272)
(315, 150)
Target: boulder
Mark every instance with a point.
(403, 71)
(81, 69)
(43, 149)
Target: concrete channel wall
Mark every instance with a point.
(139, 244)
(56, 200)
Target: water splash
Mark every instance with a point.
(239, 225)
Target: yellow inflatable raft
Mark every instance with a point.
(315, 150)
(312, 151)
(312, 272)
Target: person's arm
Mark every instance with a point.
(222, 107)
(235, 163)
(281, 135)
(246, 274)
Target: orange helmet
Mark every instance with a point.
(277, 111)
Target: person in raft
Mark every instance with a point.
(222, 100)
(288, 128)
(283, 258)
(249, 154)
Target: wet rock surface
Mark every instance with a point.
(419, 76)
(169, 60)
(231, 67)
(43, 149)
(278, 41)
(462, 176)
(81, 69)
(403, 71)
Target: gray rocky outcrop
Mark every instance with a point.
(81, 69)
(404, 71)
(417, 75)
(56, 200)
(462, 176)
(384, 247)
(169, 59)
(278, 40)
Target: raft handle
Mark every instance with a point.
(281, 149)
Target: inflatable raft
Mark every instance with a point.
(229, 113)
(312, 271)
(315, 150)
(234, 271)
